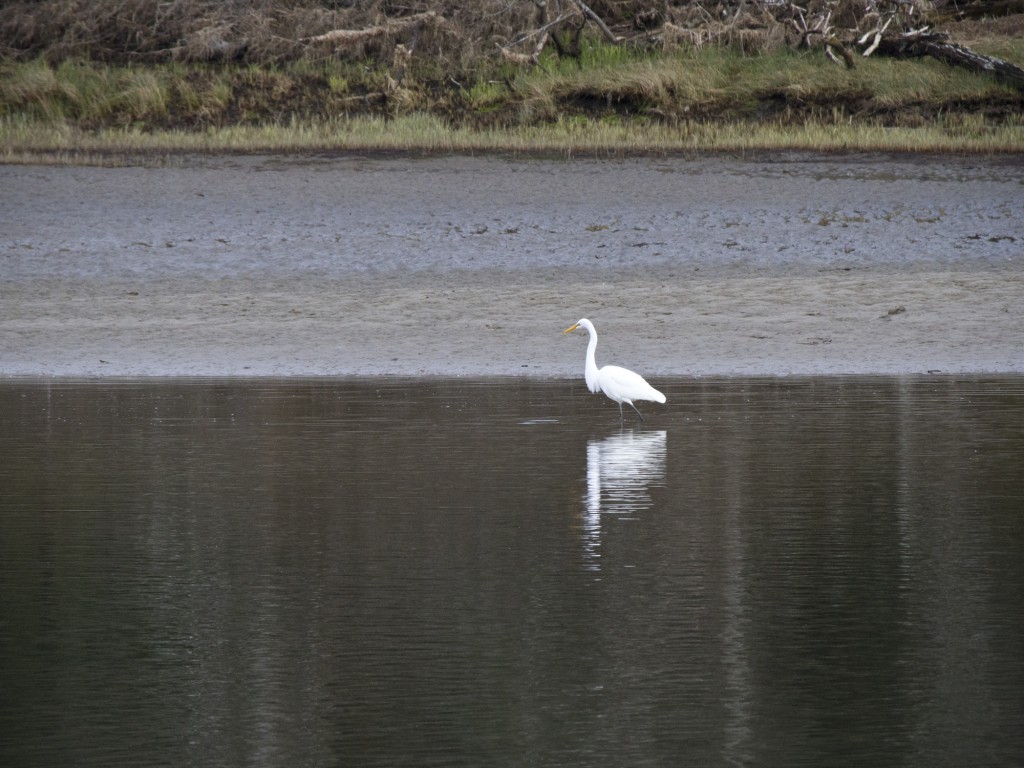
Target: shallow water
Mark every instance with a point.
(818, 571)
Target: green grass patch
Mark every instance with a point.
(611, 100)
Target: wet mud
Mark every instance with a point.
(790, 264)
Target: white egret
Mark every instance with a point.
(619, 384)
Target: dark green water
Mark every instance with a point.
(798, 572)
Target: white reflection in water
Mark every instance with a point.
(620, 472)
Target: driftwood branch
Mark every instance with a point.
(542, 33)
(513, 57)
(598, 22)
(540, 30)
(834, 45)
(875, 35)
(356, 35)
(938, 46)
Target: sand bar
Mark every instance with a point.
(463, 266)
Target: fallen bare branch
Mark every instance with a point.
(835, 44)
(938, 46)
(598, 22)
(355, 35)
(540, 30)
(519, 59)
(874, 45)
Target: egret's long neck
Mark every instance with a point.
(590, 371)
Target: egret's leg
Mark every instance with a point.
(635, 409)
(621, 417)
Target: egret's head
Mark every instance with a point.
(584, 323)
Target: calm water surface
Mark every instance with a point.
(799, 572)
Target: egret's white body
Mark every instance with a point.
(619, 384)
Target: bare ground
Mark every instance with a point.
(473, 266)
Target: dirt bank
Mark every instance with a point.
(473, 266)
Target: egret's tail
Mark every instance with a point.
(657, 396)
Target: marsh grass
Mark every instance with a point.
(610, 100)
(429, 134)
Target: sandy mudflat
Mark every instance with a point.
(474, 266)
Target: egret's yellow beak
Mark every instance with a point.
(571, 329)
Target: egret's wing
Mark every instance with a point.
(623, 385)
